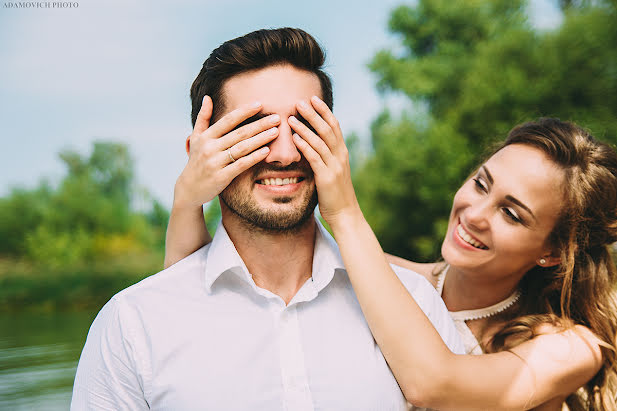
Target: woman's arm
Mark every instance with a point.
(549, 366)
(186, 233)
(218, 153)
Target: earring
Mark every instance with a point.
(542, 261)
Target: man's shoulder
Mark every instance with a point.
(182, 277)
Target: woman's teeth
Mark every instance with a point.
(278, 181)
(468, 239)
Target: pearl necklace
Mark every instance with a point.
(468, 315)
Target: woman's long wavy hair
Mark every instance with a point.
(581, 289)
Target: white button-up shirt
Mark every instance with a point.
(201, 335)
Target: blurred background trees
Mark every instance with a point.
(472, 71)
(87, 217)
(78, 243)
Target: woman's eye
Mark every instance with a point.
(480, 184)
(511, 214)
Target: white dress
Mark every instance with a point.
(472, 346)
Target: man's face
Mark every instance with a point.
(279, 193)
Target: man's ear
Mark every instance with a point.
(188, 145)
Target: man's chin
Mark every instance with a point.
(281, 214)
(277, 222)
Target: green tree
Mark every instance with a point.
(478, 68)
(21, 212)
(88, 216)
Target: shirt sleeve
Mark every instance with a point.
(107, 376)
(433, 306)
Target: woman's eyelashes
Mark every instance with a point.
(512, 215)
(480, 184)
(509, 212)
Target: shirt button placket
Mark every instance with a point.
(293, 370)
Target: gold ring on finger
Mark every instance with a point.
(233, 160)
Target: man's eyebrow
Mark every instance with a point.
(509, 197)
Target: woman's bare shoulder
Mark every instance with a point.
(427, 270)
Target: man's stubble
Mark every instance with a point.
(239, 200)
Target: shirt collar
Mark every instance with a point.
(326, 258)
(224, 258)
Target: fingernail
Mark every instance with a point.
(297, 137)
(256, 104)
(303, 104)
(316, 99)
(272, 131)
(293, 119)
(275, 119)
(264, 149)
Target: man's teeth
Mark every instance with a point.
(468, 239)
(278, 181)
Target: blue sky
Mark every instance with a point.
(120, 70)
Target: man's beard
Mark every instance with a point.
(242, 203)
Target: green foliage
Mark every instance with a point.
(157, 218)
(24, 286)
(20, 213)
(212, 215)
(87, 217)
(479, 68)
(80, 237)
(407, 184)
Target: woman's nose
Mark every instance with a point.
(476, 215)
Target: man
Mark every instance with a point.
(264, 317)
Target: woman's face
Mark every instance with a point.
(501, 218)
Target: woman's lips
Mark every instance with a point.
(468, 238)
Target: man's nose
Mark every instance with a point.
(283, 149)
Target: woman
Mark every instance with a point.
(527, 274)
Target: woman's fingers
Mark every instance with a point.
(316, 143)
(244, 147)
(231, 120)
(244, 163)
(203, 117)
(314, 159)
(319, 124)
(337, 145)
(249, 130)
(324, 111)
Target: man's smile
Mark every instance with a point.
(277, 181)
(280, 182)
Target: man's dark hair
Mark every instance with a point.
(254, 51)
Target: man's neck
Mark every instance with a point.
(279, 262)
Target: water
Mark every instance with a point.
(38, 357)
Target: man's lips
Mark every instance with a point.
(277, 180)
